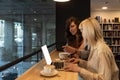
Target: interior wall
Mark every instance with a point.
(77, 8)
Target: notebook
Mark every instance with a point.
(58, 64)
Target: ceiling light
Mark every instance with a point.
(35, 19)
(61, 0)
(104, 7)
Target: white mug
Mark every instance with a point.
(63, 55)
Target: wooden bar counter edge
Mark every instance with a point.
(34, 72)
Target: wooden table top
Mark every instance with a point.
(34, 72)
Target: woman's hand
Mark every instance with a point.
(72, 67)
(73, 60)
(69, 49)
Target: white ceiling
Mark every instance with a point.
(112, 4)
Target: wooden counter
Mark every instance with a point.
(34, 72)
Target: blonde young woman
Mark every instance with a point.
(101, 64)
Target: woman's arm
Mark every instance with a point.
(73, 50)
(85, 74)
(81, 63)
(103, 70)
(69, 49)
(82, 46)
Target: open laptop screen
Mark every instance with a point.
(46, 54)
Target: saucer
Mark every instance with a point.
(49, 75)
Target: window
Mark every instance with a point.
(24, 27)
(1, 33)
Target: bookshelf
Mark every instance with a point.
(111, 33)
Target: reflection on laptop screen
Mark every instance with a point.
(46, 54)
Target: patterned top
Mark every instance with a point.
(101, 64)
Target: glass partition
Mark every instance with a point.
(25, 25)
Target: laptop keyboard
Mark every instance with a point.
(58, 65)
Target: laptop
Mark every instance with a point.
(58, 64)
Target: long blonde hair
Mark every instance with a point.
(91, 31)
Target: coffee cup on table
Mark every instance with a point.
(63, 55)
(48, 69)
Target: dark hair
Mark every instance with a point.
(71, 39)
